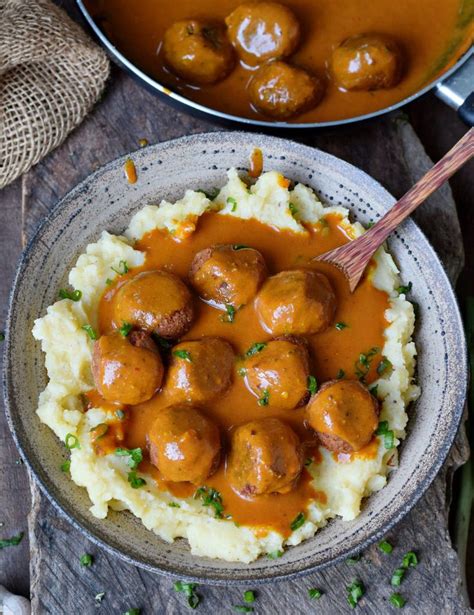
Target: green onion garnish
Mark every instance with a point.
(71, 441)
(297, 521)
(341, 325)
(86, 560)
(404, 290)
(255, 348)
(312, 385)
(233, 202)
(75, 295)
(189, 590)
(410, 560)
(122, 268)
(125, 329)
(174, 505)
(135, 481)
(211, 497)
(398, 601)
(274, 554)
(65, 466)
(385, 546)
(374, 390)
(383, 366)
(340, 374)
(134, 455)
(388, 435)
(183, 354)
(264, 400)
(362, 365)
(90, 332)
(11, 542)
(397, 577)
(293, 209)
(355, 592)
(315, 593)
(249, 596)
(230, 313)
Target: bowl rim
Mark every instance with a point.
(178, 99)
(266, 576)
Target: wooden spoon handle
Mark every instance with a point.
(434, 178)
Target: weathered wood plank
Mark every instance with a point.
(59, 584)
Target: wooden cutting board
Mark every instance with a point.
(390, 152)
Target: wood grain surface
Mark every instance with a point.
(389, 151)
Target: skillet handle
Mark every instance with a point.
(458, 91)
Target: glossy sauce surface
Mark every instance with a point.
(331, 351)
(433, 34)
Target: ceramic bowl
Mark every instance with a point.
(106, 201)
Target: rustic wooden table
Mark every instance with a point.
(46, 563)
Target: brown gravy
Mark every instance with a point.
(332, 351)
(433, 34)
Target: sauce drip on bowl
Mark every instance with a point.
(335, 350)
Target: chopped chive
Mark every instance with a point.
(211, 497)
(249, 596)
(255, 348)
(135, 456)
(298, 521)
(398, 601)
(410, 560)
(125, 329)
(397, 577)
(229, 316)
(86, 560)
(389, 439)
(341, 325)
(264, 400)
(108, 281)
(65, 466)
(385, 546)
(239, 246)
(382, 428)
(90, 332)
(275, 554)
(233, 202)
(135, 481)
(241, 371)
(315, 593)
(122, 269)
(71, 441)
(75, 295)
(355, 592)
(312, 385)
(383, 366)
(369, 225)
(174, 505)
(183, 354)
(374, 390)
(293, 209)
(99, 431)
(404, 290)
(189, 590)
(362, 365)
(340, 374)
(11, 542)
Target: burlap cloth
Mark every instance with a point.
(51, 74)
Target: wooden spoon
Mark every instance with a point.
(352, 258)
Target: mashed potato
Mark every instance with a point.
(67, 349)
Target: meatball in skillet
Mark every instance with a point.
(281, 91)
(344, 414)
(263, 31)
(155, 301)
(198, 52)
(184, 444)
(296, 302)
(367, 62)
(278, 374)
(228, 274)
(200, 370)
(265, 457)
(126, 369)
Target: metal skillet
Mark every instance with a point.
(455, 86)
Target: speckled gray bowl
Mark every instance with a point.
(106, 201)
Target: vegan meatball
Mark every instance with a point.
(344, 415)
(265, 457)
(126, 369)
(200, 370)
(282, 91)
(184, 444)
(367, 62)
(197, 51)
(263, 31)
(228, 274)
(155, 301)
(278, 374)
(296, 302)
